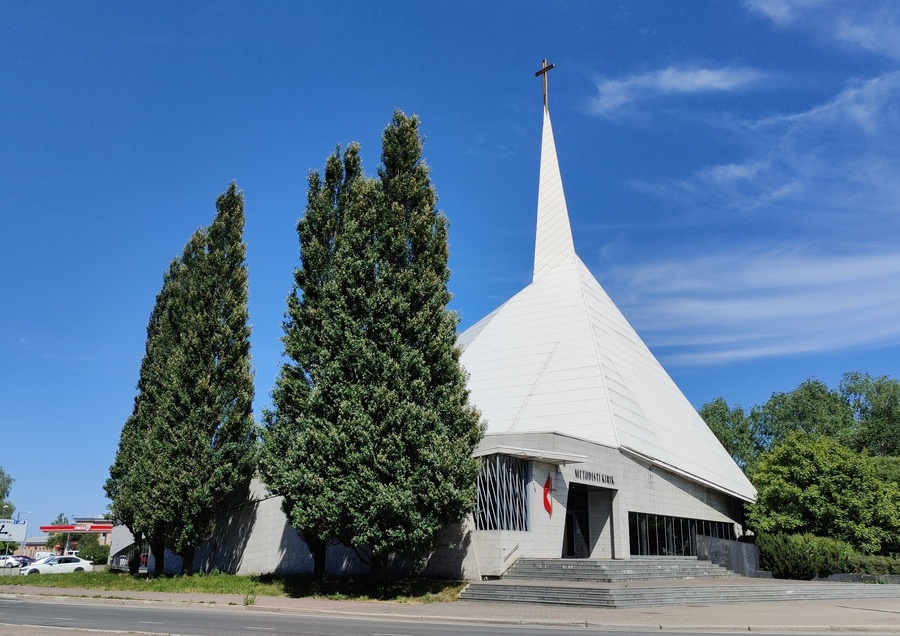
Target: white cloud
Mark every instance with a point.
(872, 26)
(737, 306)
(811, 216)
(834, 162)
(614, 94)
(783, 12)
(797, 230)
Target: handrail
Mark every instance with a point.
(510, 553)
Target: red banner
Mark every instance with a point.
(548, 500)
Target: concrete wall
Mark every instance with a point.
(737, 556)
(253, 536)
(637, 486)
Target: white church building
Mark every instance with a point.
(591, 450)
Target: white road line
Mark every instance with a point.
(262, 629)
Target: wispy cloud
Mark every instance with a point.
(823, 181)
(836, 161)
(614, 95)
(739, 306)
(783, 12)
(807, 224)
(872, 26)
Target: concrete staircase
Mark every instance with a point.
(610, 571)
(651, 582)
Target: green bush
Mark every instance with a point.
(865, 564)
(96, 554)
(803, 556)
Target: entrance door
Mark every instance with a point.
(576, 539)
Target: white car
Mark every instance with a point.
(57, 565)
(10, 561)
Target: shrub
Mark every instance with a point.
(803, 556)
(865, 564)
(96, 554)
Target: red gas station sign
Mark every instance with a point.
(78, 527)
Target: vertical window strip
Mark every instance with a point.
(502, 494)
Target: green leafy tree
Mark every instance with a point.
(887, 468)
(815, 485)
(811, 408)
(875, 403)
(305, 441)
(371, 437)
(191, 439)
(94, 552)
(735, 430)
(58, 539)
(6, 506)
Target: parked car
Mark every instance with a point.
(10, 561)
(57, 565)
(25, 560)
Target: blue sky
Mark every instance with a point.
(730, 170)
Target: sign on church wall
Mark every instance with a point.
(594, 477)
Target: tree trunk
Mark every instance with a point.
(317, 548)
(134, 563)
(158, 549)
(378, 565)
(187, 561)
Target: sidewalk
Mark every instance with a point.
(867, 615)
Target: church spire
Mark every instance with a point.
(553, 243)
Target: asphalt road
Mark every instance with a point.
(30, 618)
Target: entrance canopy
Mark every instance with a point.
(546, 456)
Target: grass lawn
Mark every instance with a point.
(343, 588)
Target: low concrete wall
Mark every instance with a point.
(737, 556)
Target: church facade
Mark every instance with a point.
(591, 450)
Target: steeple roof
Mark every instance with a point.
(553, 244)
(559, 356)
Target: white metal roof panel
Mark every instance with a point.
(560, 357)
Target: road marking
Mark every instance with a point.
(262, 629)
(150, 622)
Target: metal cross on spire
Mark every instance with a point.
(544, 68)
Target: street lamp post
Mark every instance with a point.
(6, 543)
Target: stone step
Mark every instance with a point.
(672, 595)
(606, 570)
(617, 577)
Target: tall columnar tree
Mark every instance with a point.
(301, 457)
(191, 438)
(372, 434)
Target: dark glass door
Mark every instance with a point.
(577, 532)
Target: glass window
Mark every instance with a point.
(502, 494)
(659, 535)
